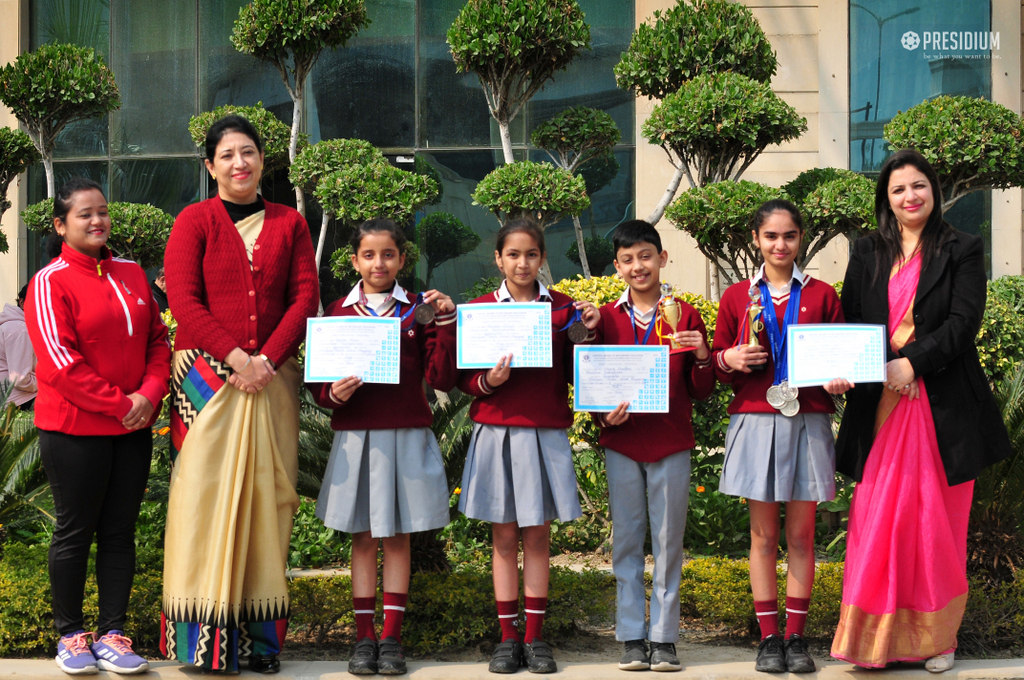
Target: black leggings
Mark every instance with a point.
(97, 484)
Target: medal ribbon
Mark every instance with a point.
(650, 327)
(398, 309)
(777, 336)
(577, 315)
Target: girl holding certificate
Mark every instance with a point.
(519, 473)
(916, 443)
(779, 446)
(385, 479)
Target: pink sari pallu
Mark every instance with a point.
(905, 580)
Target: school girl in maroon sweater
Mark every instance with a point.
(781, 453)
(519, 473)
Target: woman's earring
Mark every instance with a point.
(214, 176)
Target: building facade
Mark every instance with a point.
(846, 65)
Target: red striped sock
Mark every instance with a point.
(365, 609)
(508, 617)
(535, 608)
(394, 611)
(767, 617)
(796, 615)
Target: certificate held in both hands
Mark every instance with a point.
(608, 375)
(487, 332)
(368, 347)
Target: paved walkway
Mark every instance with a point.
(999, 669)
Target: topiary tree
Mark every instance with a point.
(834, 202)
(323, 158)
(694, 38)
(53, 86)
(719, 217)
(423, 167)
(291, 34)
(973, 144)
(514, 47)
(598, 249)
(138, 231)
(573, 139)
(275, 135)
(17, 153)
(444, 237)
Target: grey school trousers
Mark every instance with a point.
(637, 491)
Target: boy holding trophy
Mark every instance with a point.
(648, 454)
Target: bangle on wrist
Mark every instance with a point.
(248, 360)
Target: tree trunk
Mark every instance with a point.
(293, 144)
(670, 193)
(715, 281)
(48, 166)
(579, 244)
(506, 142)
(322, 239)
(544, 275)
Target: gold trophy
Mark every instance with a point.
(670, 312)
(754, 322)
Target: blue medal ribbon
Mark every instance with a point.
(577, 315)
(398, 309)
(650, 327)
(776, 335)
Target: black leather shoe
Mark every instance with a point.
(798, 660)
(771, 656)
(364, 657)
(264, 664)
(507, 657)
(390, 658)
(539, 658)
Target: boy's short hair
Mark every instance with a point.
(629, 234)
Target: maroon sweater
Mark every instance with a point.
(428, 351)
(220, 302)
(531, 397)
(649, 437)
(818, 304)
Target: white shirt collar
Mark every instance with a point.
(625, 299)
(504, 296)
(797, 275)
(356, 294)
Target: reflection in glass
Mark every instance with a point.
(169, 184)
(79, 22)
(155, 65)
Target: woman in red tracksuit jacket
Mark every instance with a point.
(104, 364)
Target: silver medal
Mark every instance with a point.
(774, 396)
(790, 408)
(424, 314)
(788, 393)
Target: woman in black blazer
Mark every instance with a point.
(916, 443)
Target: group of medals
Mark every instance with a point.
(761, 316)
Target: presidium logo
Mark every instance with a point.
(951, 41)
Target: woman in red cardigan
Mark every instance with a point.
(241, 281)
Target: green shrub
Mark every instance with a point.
(1000, 341)
(539, 191)
(320, 606)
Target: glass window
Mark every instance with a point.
(155, 65)
(97, 171)
(169, 183)
(367, 90)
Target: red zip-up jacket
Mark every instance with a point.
(98, 337)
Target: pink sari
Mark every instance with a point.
(905, 581)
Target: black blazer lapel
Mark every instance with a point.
(936, 267)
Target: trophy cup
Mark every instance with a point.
(669, 312)
(754, 323)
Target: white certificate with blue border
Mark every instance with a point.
(817, 353)
(607, 375)
(341, 346)
(486, 332)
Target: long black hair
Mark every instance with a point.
(230, 123)
(890, 250)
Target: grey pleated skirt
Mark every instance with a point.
(519, 474)
(772, 458)
(386, 482)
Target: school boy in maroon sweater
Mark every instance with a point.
(648, 454)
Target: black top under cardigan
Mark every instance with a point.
(948, 309)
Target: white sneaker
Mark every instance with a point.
(940, 663)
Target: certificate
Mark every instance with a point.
(817, 353)
(607, 375)
(486, 332)
(341, 346)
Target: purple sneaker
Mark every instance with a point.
(114, 653)
(73, 655)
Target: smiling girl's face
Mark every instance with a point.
(778, 238)
(378, 261)
(520, 260)
(86, 227)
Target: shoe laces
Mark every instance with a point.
(77, 644)
(120, 643)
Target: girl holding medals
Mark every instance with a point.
(519, 473)
(779, 447)
(385, 479)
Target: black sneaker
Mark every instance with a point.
(771, 656)
(265, 664)
(663, 657)
(798, 660)
(390, 659)
(635, 658)
(539, 658)
(364, 657)
(507, 657)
